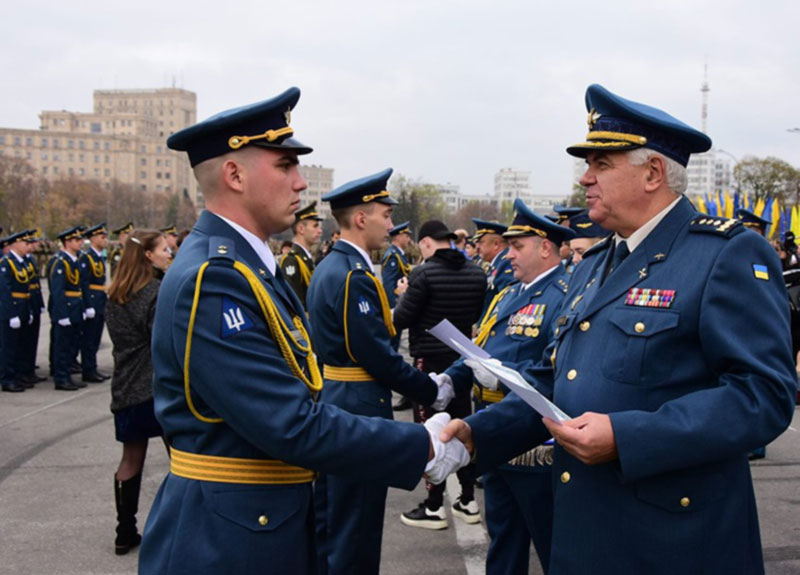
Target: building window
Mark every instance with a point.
(55, 170)
(108, 146)
(97, 145)
(81, 172)
(158, 175)
(81, 158)
(167, 175)
(143, 161)
(28, 141)
(70, 143)
(144, 188)
(3, 140)
(97, 158)
(71, 157)
(168, 163)
(56, 157)
(17, 141)
(44, 171)
(71, 172)
(55, 143)
(96, 128)
(107, 173)
(44, 155)
(97, 172)
(44, 142)
(143, 175)
(108, 159)
(82, 144)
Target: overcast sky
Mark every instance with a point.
(445, 91)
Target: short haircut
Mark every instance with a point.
(343, 216)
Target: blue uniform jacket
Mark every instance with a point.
(14, 291)
(693, 378)
(65, 290)
(394, 266)
(36, 302)
(350, 331)
(500, 275)
(237, 373)
(93, 281)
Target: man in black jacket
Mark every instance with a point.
(448, 286)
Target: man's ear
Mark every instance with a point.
(359, 219)
(656, 173)
(234, 175)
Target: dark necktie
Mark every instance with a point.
(620, 253)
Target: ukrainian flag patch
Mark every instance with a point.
(760, 272)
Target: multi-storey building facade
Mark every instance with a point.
(510, 184)
(122, 140)
(320, 181)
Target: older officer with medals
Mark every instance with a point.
(236, 382)
(654, 357)
(298, 265)
(353, 327)
(515, 330)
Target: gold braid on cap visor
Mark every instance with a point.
(370, 197)
(306, 216)
(527, 229)
(236, 142)
(618, 136)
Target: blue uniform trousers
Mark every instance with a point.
(519, 508)
(29, 345)
(92, 332)
(9, 358)
(66, 340)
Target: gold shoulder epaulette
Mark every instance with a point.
(719, 226)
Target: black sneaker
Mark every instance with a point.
(467, 512)
(425, 518)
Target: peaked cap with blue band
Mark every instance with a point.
(400, 229)
(617, 124)
(13, 238)
(72, 233)
(362, 191)
(750, 220)
(584, 227)
(528, 223)
(264, 124)
(564, 212)
(126, 229)
(483, 227)
(96, 230)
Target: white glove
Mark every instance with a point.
(30, 319)
(446, 391)
(14, 323)
(90, 313)
(44, 309)
(447, 457)
(482, 375)
(64, 322)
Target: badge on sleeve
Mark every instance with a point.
(760, 272)
(234, 319)
(290, 270)
(363, 305)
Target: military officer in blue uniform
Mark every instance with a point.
(493, 249)
(587, 234)
(394, 267)
(92, 264)
(654, 359)
(236, 383)
(115, 254)
(298, 265)
(352, 321)
(515, 330)
(14, 310)
(66, 307)
(171, 235)
(564, 213)
(30, 333)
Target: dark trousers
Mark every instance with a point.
(459, 407)
(9, 356)
(30, 345)
(519, 509)
(66, 342)
(90, 343)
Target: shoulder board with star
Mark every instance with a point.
(356, 263)
(719, 226)
(598, 247)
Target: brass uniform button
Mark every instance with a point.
(263, 520)
(572, 374)
(491, 334)
(565, 477)
(685, 502)
(558, 330)
(585, 325)
(639, 327)
(383, 400)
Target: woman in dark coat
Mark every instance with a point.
(129, 318)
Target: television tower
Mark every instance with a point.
(705, 90)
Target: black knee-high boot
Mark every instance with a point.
(126, 495)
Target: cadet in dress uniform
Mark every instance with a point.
(349, 310)
(655, 359)
(298, 265)
(30, 334)
(115, 254)
(752, 221)
(493, 250)
(92, 264)
(395, 266)
(14, 310)
(235, 380)
(563, 215)
(515, 330)
(66, 308)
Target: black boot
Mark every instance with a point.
(126, 495)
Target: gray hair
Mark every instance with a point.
(677, 180)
